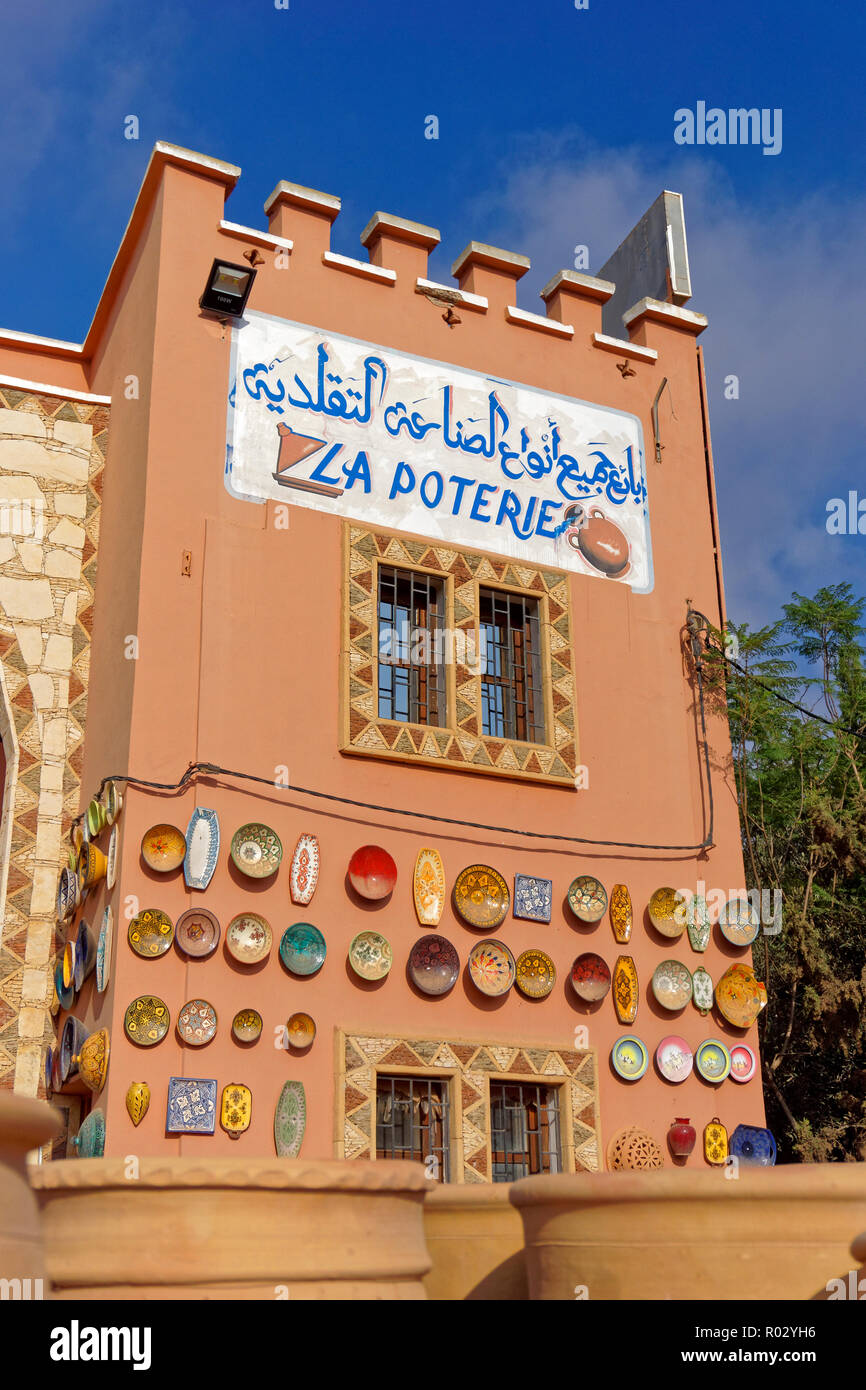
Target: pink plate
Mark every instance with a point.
(742, 1063)
(674, 1058)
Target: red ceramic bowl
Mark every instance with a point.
(590, 977)
(372, 872)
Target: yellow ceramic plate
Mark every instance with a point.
(667, 912)
(301, 1030)
(163, 848)
(535, 974)
(481, 896)
(151, 933)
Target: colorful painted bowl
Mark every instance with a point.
(72, 1039)
(247, 1026)
(590, 977)
(256, 850)
(197, 932)
(92, 867)
(249, 938)
(103, 950)
(65, 993)
(713, 1060)
(147, 1020)
(303, 949)
(163, 848)
(668, 912)
(96, 818)
(372, 872)
(629, 1057)
(491, 967)
(674, 1058)
(86, 944)
(92, 1060)
(481, 896)
(434, 964)
(534, 973)
(672, 985)
(151, 933)
(740, 996)
(68, 894)
(739, 922)
(197, 1023)
(112, 800)
(370, 955)
(301, 1031)
(753, 1146)
(111, 867)
(68, 961)
(587, 898)
(89, 1142)
(743, 1062)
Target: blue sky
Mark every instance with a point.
(555, 129)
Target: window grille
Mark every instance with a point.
(411, 666)
(413, 1120)
(524, 1130)
(512, 702)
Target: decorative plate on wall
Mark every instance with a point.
(256, 850)
(112, 800)
(89, 1142)
(303, 949)
(138, 1101)
(667, 912)
(68, 894)
(739, 922)
(743, 1062)
(103, 950)
(96, 818)
(629, 1057)
(434, 965)
(147, 1020)
(672, 985)
(68, 963)
(587, 898)
(625, 989)
(151, 933)
(163, 848)
(481, 896)
(740, 996)
(533, 898)
(590, 977)
(304, 873)
(370, 955)
(247, 1026)
(428, 887)
(65, 993)
(290, 1120)
(111, 867)
(753, 1146)
(236, 1109)
(702, 990)
(300, 1031)
(372, 872)
(698, 922)
(92, 1059)
(197, 1022)
(534, 973)
(674, 1058)
(202, 847)
(715, 1142)
(491, 967)
(713, 1060)
(249, 938)
(197, 932)
(621, 914)
(191, 1105)
(72, 1040)
(86, 946)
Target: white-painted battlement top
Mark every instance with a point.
(588, 284)
(479, 253)
(401, 228)
(304, 197)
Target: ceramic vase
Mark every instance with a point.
(681, 1138)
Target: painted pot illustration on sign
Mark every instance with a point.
(602, 544)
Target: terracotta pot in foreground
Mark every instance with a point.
(475, 1239)
(25, 1124)
(234, 1228)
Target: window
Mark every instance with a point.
(524, 1130)
(412, 1120)
(512, 703)
(411, 669)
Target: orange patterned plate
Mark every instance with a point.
(668, 911)
(491, 967)
(163, 848)
(740, 996)
(625, 987)
(621, 915)
(428, 887)
(535, 973)
(481, 896)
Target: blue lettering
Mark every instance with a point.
(402, 470)
(544, 517)
(481, 501)
(462, 485)
(319, 475)
(440, 488)
(359, 469)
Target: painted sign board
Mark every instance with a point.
(319, 420)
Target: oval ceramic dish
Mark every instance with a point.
(535, 973)
(481, 896)
(672, 985)
(713, 1060)
(163, 848)
(151, 933)
(739, 923)
(667, 912)
(247, 1025)
(300, 1031)
(197, 1022)
(629, 1057)
(743, 1062)
(304, 872)
(370, 955)
(587, 898)
(434, 965)
(491, 967)
(197, 933)
(103, 950)
(590, 977)
(428, 887)
(303, 949)
(111, 868)
(674, 1058)
(256, 850)
(249, 938)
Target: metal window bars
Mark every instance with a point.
(413, 1121)
(524, 1130)
(411, 666)
(512, 697)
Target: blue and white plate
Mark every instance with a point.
(202, 847)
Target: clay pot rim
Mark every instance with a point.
(289, 1174)
(805, 1181)
(26, 1123)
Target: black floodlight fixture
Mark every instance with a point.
(227, 289)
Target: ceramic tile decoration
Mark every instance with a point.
(147, 1020)
(303, 949)
(191, 1105)
(372, 872)
(249, 938)
(629, 1057)
(428, 887)
(434, 965)
(151, 933)
(754, 1146)
(672, 985)
(491, 967)
(92, 1059)
(111, 867)
(587, 898)
(247, 1026)
(740, 996)
(625, 989)
(533, 898)
(163, 848)
(300, 1031)
(534, 973)
(103, 950)
(304, 873)
(621, 914)
(481, 896)
(256, 850)
(236, 1109)
(590, 977)
(667, 912)
(370, 955)
(138, 1101)
(89, 1142)
(715, 1142)
(202, 848)
(197, 1022)
(702, 990)
(674, 1058)
(739, 922)
(743, 1062)
(712, 1060)
(197, 933)
(698, 922)
(290, 1120)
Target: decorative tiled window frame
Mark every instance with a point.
(467, 1066)
(459, 743)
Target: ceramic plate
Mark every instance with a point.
(713, 1060)
(247, 1025)
(68, 960)
(256, 850)
(434, 965)
(151, 933)
(73, 1035)
(290, 1119)
(587, 899)
(85, 952)
(533, 898)
(667, 912)
(111, 867)
(535, 973)
(590, 977)
(672, 984)
(304, 873)
(739, 996)
(753, 1146)
(743, 1062)
(702, 990)
(372, 872)
(301, 1031)
(65, 993)
(202, 848)
(67, 894)
(739, 923)
(147, 1020)
(103, 950)
(370, 955)
(249, 938)
(163, 848)
(197, 1022)
(197, 932)
(674, 1058)
(112, 800)
(481, 896)
(629, 1057)
(428, 887)
(302, 949)
(491, 967)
